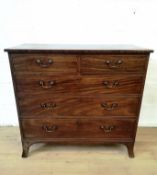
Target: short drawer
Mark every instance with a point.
(82, 85)
(101, 64)
(63, 106)
(56, 63)
(78, 128)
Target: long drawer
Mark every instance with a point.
(39, 83)
(63, 106)
(56, 63)
(78, 128)
(102, 64)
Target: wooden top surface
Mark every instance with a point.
(78, 48)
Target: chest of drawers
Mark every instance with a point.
(78, 94)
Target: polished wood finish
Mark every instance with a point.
(78, 106)
(102, 64)
(56, 63)
(78, 128)
(78, 96)
(77, 48)
(29, 83)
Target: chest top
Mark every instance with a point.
(76, 48)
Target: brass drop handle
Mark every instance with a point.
(107, 129)
(110, 85)
(42, 64)
(47, 85)
(112, 64)
(49, 128)
(48, 105)
(109, 107)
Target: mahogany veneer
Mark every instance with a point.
(78, 94)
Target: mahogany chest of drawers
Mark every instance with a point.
(78, 94)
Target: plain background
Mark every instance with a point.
(78, 22)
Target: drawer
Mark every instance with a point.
(56, 63)
(46, 84)
(63, 106)
(78, 128)
(101, 64)
(82, 85)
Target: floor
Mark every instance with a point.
(76, 160)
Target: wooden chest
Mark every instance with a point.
(78, 94)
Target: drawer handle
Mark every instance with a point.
(109, 107)
(48, 105)
(47, 85)
(107, 128)
(113, 65)
(44, 65)
(50, 128)
(110, 85)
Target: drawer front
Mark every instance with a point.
(86, 85)
(56, 63)
(32, 106)
(101, 64)
(78, 128)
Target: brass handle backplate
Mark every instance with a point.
(110, 85)
(48, 105)
(47, 85)
(43, 64)
(107, 129)
(49, 128)
(113, 64)
(109, 107)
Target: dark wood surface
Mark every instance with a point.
(89, 93)
(79, 48)
(102, 64)
(78, 106)
(78, 128)
(29, 83)
(45, 63)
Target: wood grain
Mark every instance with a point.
(28, 83)
(60, 63)
(78, 128)
(78, 106)
(101, 64)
